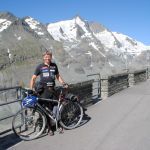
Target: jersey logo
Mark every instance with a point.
(45, 74)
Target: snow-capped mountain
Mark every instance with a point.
(70, 30)
(79, 47)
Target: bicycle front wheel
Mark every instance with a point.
(71, 114)
(29, 123)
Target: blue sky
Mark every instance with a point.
(130, 17)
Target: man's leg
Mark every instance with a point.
(46, 94)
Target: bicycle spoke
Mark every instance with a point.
(71, 115)
(28, 123)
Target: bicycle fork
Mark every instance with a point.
(56, 114)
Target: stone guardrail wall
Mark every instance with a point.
(137, 76)
(83, 90)
(115, 83)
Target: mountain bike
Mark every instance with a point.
(30, 122)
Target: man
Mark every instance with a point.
(47, 71)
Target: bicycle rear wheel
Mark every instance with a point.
(71, 114)
(29, 123)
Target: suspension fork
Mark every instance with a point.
(57, 109)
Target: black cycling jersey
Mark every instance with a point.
(47, 73)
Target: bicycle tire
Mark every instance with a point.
(71, 114)
(29, 123)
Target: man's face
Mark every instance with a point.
(47, 59)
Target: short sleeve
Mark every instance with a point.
(37, 71)
(57, 72)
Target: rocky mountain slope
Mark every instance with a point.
(79, 48)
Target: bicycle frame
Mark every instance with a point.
(49, 112)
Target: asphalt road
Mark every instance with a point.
(120, 122)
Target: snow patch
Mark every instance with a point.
(34, 25)
(4, 24)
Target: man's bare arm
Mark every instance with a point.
(32, 82)
(60, 79)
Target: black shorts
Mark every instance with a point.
(48, 93)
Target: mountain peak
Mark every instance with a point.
(6, 19)
(8, 16)
(78, 17)
(6, 13)
(27, 17)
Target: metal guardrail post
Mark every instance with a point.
(18, 99)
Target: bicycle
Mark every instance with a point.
(30, 122)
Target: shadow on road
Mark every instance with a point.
(85, 119)
(8, 141)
